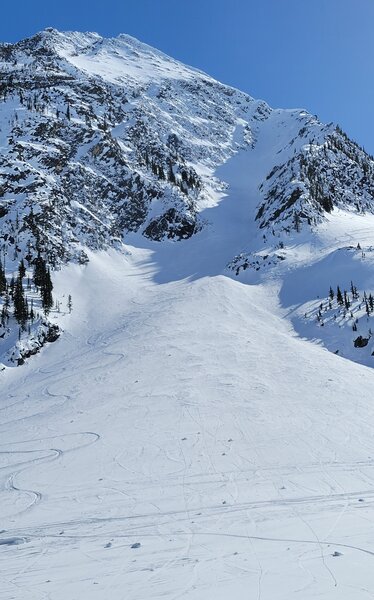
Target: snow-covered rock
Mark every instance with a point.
(101, 137)
(183, 438)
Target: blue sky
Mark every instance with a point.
(315, 54)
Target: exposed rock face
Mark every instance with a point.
(43, 333)
(360, 342)
(102, 137)
(98, 140)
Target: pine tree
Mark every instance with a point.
(371, 303)
(32, 313)
(5, 309)
(2, 280)
(46, 293)
(339, 296)
(69, 304)
(11, 287)
(347, 303)
(40, 269)
(20, 303)
(331, 293)
(21, 269)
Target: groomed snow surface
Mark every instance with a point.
(180, 440)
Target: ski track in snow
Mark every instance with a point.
(180, 411)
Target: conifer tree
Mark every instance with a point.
(46, 292)
(371, 303)
(2, 280)
(347, 303)
(32, 313)
(21, 269)
(20, 303)
(339, 296)
(40, 270)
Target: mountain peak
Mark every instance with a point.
(53, 40)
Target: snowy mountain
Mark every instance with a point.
(100, 137)
(192, 254)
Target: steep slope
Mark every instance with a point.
(180, 439)
(100, 137)
(184, 443)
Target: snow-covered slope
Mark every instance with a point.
(183, 438)
(104, 136)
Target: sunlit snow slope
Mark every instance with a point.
(181, 439)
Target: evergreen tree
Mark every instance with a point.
(2, 280)
(70, 304)
(11, 287)
(371, 303)
(32, 313)
(5, 309)
(20, 303)
(347, 303)
(46, 292)
(40, 270)
(339, 296)
(331, 293)
(21, 269)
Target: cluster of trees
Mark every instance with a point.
(14, 292)
(351, 149)
(184, 177)
(344, 299)
(315, 164)
(320, 191)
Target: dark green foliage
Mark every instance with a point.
(347, 303)
(371, 303)
(2, 280)
(21, 269)
(5, 310)
(40, 271)
(20, 303)
(46, 292)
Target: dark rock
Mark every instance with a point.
(171, 225)
(360, 342)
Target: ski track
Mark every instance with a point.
(193, 542)
(180, 410)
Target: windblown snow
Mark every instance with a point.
(203, 428)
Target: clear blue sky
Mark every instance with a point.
(315, 54)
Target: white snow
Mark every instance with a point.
(181, 440)
(181, 412)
